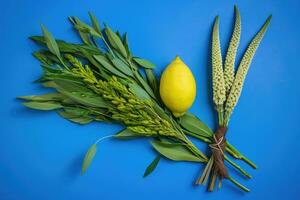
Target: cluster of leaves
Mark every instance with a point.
(91, 81)
(228, 84)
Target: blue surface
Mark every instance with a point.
(41, 153)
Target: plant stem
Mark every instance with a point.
(238, 155)
(206, 172)
(238, 167)
(238, 184)
(106, 44)
(213, 181)
(220, 115)
(102, 138)
(193, 148)
(203, 138)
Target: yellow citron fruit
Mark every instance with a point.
(177, 87)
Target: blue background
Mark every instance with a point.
(41, 153)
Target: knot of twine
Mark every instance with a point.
(218, 148)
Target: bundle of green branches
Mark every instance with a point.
(227, 88)
(100, 80)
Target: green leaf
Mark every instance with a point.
(105, 63)
(115, 41)
(138, 91)
(51, 58)
(89, 156)
(145, 85)
(83, 30)
(70, 85)
(50, 41)
(42, 105)
(161, 112)
(152, 166)
(49, 84)
(126, 134)
(65, 47)
(82, 120)
(42, 58)
(152, 80)
(144, 63)
(195, 125)
(176, 152)
(44, 97)
(79, 93)
(76, 119)
(95, 23)
(87, 99)
(77, 115)
(126, 45)
(120, 65)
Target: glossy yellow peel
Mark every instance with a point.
(177, 87)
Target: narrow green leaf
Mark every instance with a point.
(87, 99)
(44, 97)
(82, 120)
(42, 105)
(145, 85)
(152, 166)
(76, 119)
(115, 41)
(105, 63)
(49, 84)
(138, 91)
(79, 93)
(52, 59)
(144, 63)
(83, 30)
(95, 23)
(193, 124)
(66, 47)
(120, 65)
(175, 152)
(77, 111)
(152, 80)
(89, 156)
(50, 41)
(126, 134)
(85, 38)
(161, 112)
(70, 81)
(70, 85)
(42, 58)
(126, 45)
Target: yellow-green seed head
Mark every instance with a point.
(217, 68)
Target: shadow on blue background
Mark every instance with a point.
(41, 153)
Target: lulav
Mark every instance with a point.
(231, 52)
(237, 86)
(217, 67)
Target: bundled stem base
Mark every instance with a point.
(218, 149)
(215, 168)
